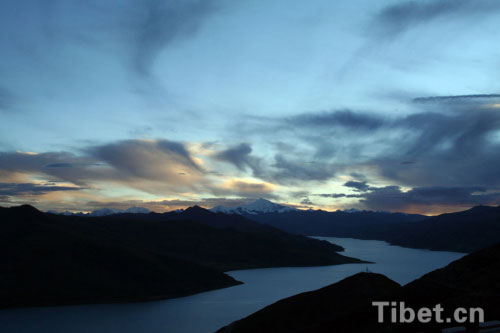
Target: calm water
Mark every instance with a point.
(209, 311)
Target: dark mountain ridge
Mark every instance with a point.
(466, 231)
(346, 306)
(54, 259)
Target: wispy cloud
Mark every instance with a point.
(7, 100)
(15, 189)
(403, 15)
(156, 24)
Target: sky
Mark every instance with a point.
(380, 105)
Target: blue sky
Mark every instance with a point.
(383, 105)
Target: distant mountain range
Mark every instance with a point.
(51, 259)
(263, 206)
(346, 306)
(466, 231)
(256, 207)
(259, 206)
(106, 212)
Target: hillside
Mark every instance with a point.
(466, 231)
(55, 259)
(345, 306)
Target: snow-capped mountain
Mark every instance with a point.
(256, 207)
(111, 211)
(106, 211)
(352, 210)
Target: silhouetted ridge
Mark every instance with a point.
(465, 231)
(346, 306)
(50, 259)
(196, 210)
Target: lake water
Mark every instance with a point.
(206, 312)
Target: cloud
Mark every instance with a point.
(439, 144)
(297, 171)
(238, 155)
(6, 99)
(126, 36)
(60, 165)
(338, 118)
(246, 188)
(306, 201)
(241, 157)
(392, 198)
(15, 189)
(160, 160)
(358, 186)
(159, 167)
(157, 24)
(453, 146)
(339, 195)
(401, 16)
(455, 98)
(155, 206)
(149, 165)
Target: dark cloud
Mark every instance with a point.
(306, 201)
(440, 144)
(5, 199)
(331, 195)
(338, 118)
(238, 155)
(160, 159)
(459, 98)
(18, 162)
(159, 23)
(456, 147)
(296, 171)
(298, 194)
(339, 195)
(15, 189)
(284, 170)
(358, 186)
(392, 198)
(145, 164)
(403, 15)
(59, 165)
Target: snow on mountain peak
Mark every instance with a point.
(111, 211)
(258, 206)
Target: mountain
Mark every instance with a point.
(466, 231)
(263, 244)
(362, 224)
(111, 211)
(346, 306)
(322, 310)
(54, 260)
(50, 259)
(256, 207)
(106, 211)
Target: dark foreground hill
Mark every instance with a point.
(51, 259)
(466, 231)
(346, 306)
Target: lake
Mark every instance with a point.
(206, 312)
